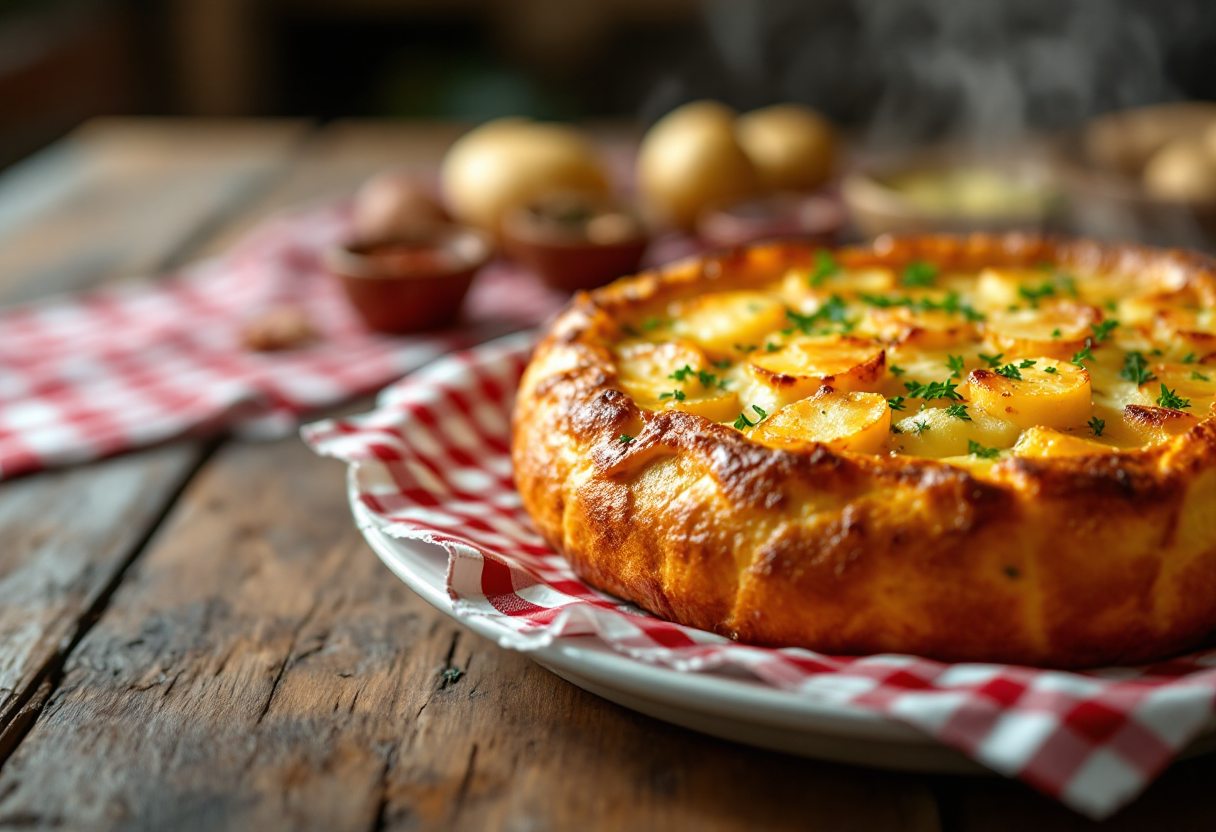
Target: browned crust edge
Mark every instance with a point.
(1068, 562)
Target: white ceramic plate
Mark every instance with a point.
(732, 707)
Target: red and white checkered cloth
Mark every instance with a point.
(432, 462)
(107, 371)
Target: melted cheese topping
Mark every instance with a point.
(1034, 362)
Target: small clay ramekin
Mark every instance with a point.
(413, 283)
(574, 242)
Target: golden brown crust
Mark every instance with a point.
(1066, 561)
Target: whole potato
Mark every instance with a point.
(393, 204)
(793, 147)
(1182, 171)
(508, 162)
(690, 159)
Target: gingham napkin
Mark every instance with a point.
(432, 462)
(107, 371)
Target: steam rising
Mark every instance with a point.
(915, 70)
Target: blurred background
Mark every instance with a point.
(893, 70)
(1014, 79)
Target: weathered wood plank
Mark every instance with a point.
(259, 668)
(68, 535)
(130, 194)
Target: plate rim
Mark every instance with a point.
(587, 656)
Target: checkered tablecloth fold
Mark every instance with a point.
(106, 371)
(432, 462)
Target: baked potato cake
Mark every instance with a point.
(986, 448)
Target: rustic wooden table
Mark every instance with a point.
(196, 637)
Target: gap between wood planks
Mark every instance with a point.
(72, 613)
(27, 705)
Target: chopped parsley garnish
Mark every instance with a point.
(832, 312)
(896, 371)
(1026, 363)
(958, 411)
(1055, 333)
(918, 273)
(746, 347)
(651, 324)
(743, 422)
(1198, 376)
(955, 364)
(1068, 283)
(706, 378)
(896, 402)
(993, 361)
(1082, 355)
(950, 303)
(624, 439)
(771, 347)
(1097, 425)
(976, 449)
(724, 364)
(1034, 295)
(1051, 370)
(825, 267)
(1135, 369)
(933, 390)
(1172, 401)
(895, 429)
(678, 395)
(1189, 358)
(1009, 371)
(1111, 306)
(1102, 331)
(920, 427)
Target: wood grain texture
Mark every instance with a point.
(259, 668)
(135, 193)
(68, 535)
(131, 194)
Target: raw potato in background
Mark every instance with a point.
(511, 161)
(690, 159)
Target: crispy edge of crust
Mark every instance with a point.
(1065, 562)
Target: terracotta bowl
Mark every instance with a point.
(414, 283)
(573, 242)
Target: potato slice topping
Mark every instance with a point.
(1002, 288)
(806, 363)
(1193, 383)
(676, 376)
(1193, 330)
(1033, 392)
(1157, 424)
(722, 321)
(844, 421)
(1058, 330)
(645, 369)
(928, 329)
(1045, 442)
(936, 432)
